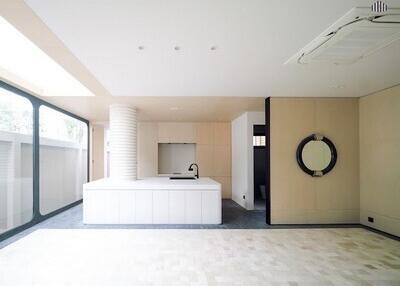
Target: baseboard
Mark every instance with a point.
(316, 225)
(386, 234)
(343, 225)
(380, 222)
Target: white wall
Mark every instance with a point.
(242, 157)
(239, 159)
(175, 157)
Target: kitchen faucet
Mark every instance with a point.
(197, 169)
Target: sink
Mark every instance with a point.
(182, 178)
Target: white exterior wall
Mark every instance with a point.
(58, 159)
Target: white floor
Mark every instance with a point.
(201, 257)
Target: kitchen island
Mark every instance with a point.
(156, 200)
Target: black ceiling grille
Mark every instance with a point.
(379, 7)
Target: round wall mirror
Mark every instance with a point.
(316, 155)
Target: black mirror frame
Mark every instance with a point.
(332, 163)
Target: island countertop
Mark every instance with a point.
(152, 183)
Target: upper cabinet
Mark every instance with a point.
(176, 132)
(204, 133)
(222, 133)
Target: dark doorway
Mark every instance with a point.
(259, 155)
(268, 160)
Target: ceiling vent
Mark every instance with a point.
(359, 33)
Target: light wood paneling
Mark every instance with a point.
(205, 159)
(213, 147)
(226, 186)
(147, 149)
(222, 133)
(337, 191)
(380, 160)
(97, 152)
(204, 133)
(222, 160)
(297, 197)
(213, 153)
(175, 132)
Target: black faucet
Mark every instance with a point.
(197, 169)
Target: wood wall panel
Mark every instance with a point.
(297, 197)
(380, 160)
(213, 147)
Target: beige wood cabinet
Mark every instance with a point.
(147, 149)
(175, 132)
(213, 147)
(97, 152)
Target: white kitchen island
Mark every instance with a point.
(157, 200)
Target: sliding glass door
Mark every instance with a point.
(43, 159)
(16, 153)
(63, 159)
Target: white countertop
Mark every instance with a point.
(153, 183)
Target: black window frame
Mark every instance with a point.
(36, 102)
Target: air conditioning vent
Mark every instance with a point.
(357, 34)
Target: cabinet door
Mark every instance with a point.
(176, 207)
(144, 207)
(90, 208)
(193, 207)
(160, 207)
(109, 207)
(126, 207)
(101, 207)
(211, 211)
(175, 132)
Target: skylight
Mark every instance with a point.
(23, 63)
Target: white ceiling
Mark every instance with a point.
(253, 39)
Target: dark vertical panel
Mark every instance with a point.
(268, 160)
(259, 170)
(35, 171)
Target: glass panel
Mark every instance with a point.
(16, 184)
(258, 140)
(262, 140)
(63, 159)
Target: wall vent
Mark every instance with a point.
(379, 7)
(359, 33)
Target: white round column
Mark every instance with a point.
(123, 164)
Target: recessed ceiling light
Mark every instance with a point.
(177, 48)
(338, 86)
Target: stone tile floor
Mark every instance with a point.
(233, 217)
(291, 257)
(242, 251)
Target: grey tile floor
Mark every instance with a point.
(233, 217)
